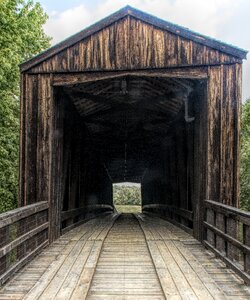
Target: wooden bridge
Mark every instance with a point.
(130, 98)
(125, 257)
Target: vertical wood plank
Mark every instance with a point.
(30, 145)
(227, 135)
(220, 224)
(200, 156)
(48, 160)
(214, 133)
(121, 44)
(198, 54)
(246, 241)
(141, 38)
(56, 200)
(159, 48)
(171, 48)
(211, 221)
(44, 137)
(237, 128)
(21, 198)
(232, 230)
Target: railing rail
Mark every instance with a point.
(74, 217)
(227, 234)
(23, 234)
(178, 216)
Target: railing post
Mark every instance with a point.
(246, 241)
(220, 224)
(3, 239)
(210, 217)
(232, 230)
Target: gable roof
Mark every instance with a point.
(147, 18)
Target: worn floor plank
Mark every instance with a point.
(126, 259)
(132, 257)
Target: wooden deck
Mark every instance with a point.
(125, 257)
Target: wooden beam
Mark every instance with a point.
(230, 211)
(20, 213)
(62, 79)
(244, 248)
(18, 241)
(228, 262)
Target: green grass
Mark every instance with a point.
(128, 208)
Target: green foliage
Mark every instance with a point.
(245, 157)
(21, 37)
(126, 195)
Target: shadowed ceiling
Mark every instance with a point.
(128, 118)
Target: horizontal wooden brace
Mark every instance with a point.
(18, 241)
(228, 238)
(15, 215)
(78, 211)
(66, 229)
(186, 214)
(185, 228)
(18, 265)
(62, 79)
(228, 262)
(229, 211)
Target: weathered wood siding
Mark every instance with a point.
(132, 44)
(223, 121)
(57, 164)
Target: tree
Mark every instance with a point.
(126, 195)
(245, 157)
(21, 37)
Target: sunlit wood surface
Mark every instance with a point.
(125, 257)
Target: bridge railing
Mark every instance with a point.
(74, 217)
(23, 234)
(177, 215)
(227, 234)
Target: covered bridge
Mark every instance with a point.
(135, 98)
(132, 98)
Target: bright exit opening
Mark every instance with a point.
(127, 197)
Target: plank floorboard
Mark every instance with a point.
(137, 257)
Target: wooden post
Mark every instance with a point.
(211, 220)
(214, 132)
(200, 158)
(232, 230)
(56, 180)
(246, 241)
(220, 224)
(49, 153)
(28, 139)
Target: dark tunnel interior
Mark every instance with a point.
(132, 129)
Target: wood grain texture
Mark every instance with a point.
(227, 236)
(223, 134)
(44, 135)
(29, 113)
(24, 233)
(147, 258)
(215, 86)
(130, 43)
